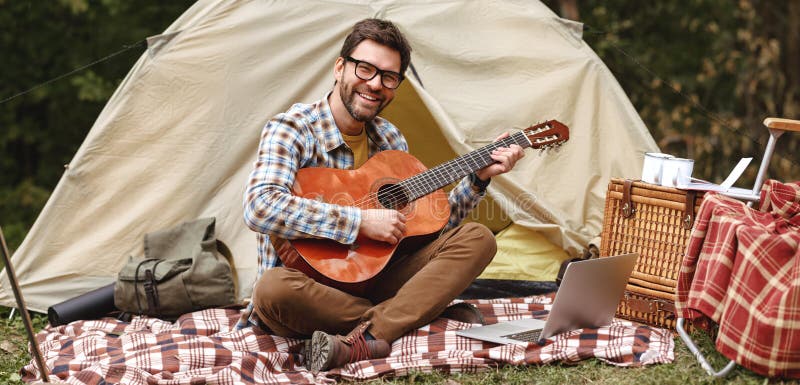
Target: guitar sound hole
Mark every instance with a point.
(392, 196)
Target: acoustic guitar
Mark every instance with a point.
(390, 179)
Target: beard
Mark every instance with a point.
(359, 112)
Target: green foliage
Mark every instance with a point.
(703, 74)
(26, 200)
(92, 88)
(42, 129)
(683, 370)
(14, 344)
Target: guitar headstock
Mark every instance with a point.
(548, 134)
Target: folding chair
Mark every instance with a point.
(777, 127)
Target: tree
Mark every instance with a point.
(42, 129)
(703, 74)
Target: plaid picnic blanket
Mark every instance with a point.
(742, 271)
(201, 347)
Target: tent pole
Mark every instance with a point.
(26, 318)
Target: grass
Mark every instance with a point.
(14, 344)
(684, 370)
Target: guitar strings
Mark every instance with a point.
(435, 176)
(396, 194)
(480, 158)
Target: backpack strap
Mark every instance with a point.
(226, 252)
(150, 286)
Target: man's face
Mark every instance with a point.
(365, 99)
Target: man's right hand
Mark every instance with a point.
(383, 225)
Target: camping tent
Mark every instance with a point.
(178, 137)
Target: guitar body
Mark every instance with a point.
(395, 180)
(350, 267)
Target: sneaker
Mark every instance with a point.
(332, 351)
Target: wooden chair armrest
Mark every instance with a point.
(782, 124)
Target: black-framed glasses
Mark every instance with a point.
(367, 71)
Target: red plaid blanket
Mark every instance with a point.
(742, 271)
(200, 348)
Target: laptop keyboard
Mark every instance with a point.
(526, 336)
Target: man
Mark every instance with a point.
(341, 131)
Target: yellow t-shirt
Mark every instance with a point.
(359, 145)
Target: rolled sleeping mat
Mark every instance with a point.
(92, 305)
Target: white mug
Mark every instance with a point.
(653, 163)
(677, 172)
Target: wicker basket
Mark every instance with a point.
(655, 222)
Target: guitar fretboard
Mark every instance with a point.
(442, 175)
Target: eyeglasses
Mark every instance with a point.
(367, 71)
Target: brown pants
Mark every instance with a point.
(410, 293)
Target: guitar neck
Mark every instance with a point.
(446, 173)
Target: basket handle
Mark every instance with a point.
(627, 204)
(688, 210)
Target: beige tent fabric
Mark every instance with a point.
(524, 254)
(177, 139)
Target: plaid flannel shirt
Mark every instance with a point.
(306, 136)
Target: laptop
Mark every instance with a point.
(588, 297)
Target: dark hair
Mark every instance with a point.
(382, 32)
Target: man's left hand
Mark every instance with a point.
(504, 160)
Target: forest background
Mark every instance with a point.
(703, 74)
